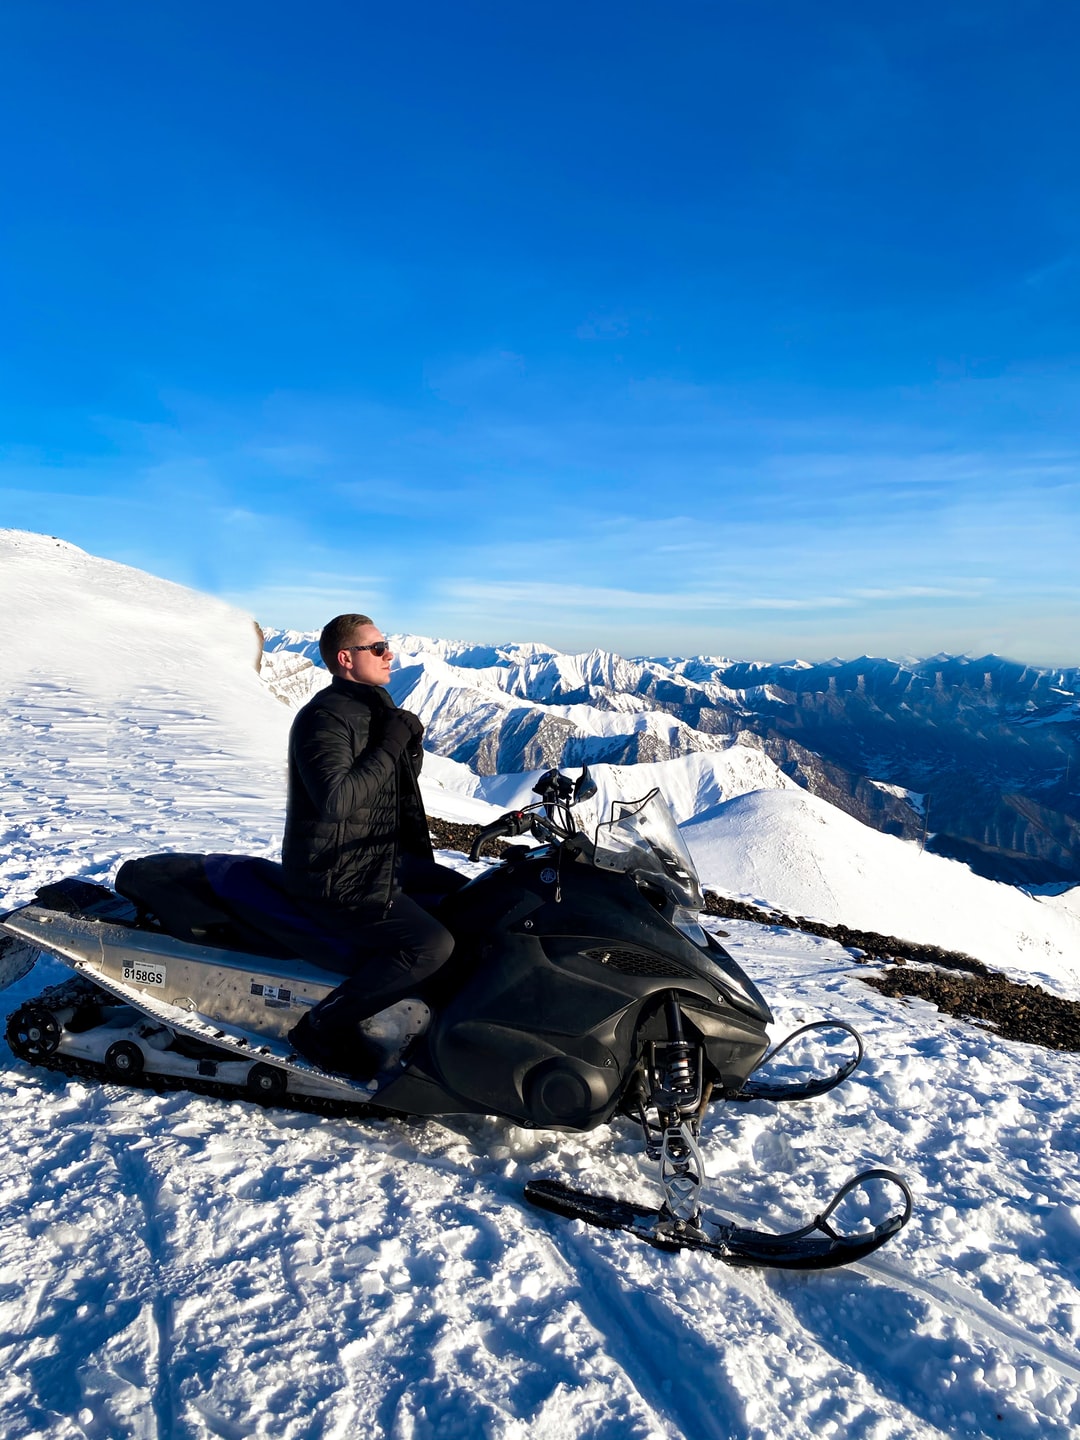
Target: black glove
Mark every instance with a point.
(402, 731)
(415, 724)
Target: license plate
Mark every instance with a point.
(140, 974)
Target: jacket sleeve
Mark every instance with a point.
(338, 781)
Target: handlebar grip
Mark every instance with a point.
(510, 824)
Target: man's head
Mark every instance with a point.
(346, 648)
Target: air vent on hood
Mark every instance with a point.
(635, 962)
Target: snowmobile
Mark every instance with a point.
(582, 988)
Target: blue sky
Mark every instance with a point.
(744, 328)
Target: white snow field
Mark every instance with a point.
(793, 851)
(175, 1266)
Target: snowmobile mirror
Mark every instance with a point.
(545, 786)
(585, 785)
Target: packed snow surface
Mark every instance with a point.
(175, 1266)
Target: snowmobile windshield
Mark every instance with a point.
(641, 839)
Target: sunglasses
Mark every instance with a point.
(378, 649)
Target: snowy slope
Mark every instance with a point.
(291, 678)
(173, 1266)
(456, 652)
(991, 741)
(498, 709)
(132, 719)
(690, 783)
(471, 716)
(793, 852)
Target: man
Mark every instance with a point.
(355, 833)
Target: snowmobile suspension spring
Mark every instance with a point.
(682, 1077)
(680, 1070)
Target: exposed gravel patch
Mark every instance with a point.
(1018, 1012)
(1015, 1011)
(449, 835)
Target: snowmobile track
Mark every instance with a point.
(79, 1069)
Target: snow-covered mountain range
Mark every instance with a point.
(172, 1265)
(978, 759)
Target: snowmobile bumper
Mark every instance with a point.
(780, 1090)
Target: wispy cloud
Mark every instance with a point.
(385, 496)
(925, 592)
(307, 603)
(567, 599)
(1066, 267)
(658, 501)
(292, 457)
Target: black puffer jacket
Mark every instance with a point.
(353, 802)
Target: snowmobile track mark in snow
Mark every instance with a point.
(134, 1174)
(664, 1369)
(975, 1312)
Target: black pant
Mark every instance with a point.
(389, 959)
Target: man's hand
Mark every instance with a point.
(416, 724)
(403, 731)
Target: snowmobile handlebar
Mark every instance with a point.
(514, 822)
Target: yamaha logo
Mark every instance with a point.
(549, 876)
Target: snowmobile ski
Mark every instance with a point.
(816, 1246)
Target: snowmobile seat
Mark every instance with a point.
(173, 890)
(253, 891)
(234, 902)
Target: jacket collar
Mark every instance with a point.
(364, 694)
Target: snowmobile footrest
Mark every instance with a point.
(816, 1246)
